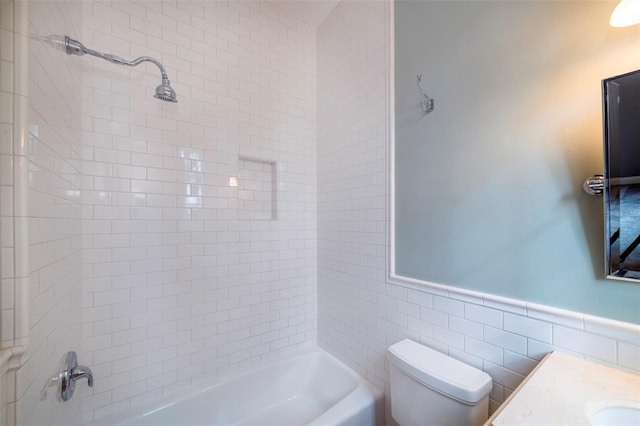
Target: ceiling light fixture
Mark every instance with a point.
(626, 13)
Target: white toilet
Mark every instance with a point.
(430, 388)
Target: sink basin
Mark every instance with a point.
(616, 416)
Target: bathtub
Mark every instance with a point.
(309, 389)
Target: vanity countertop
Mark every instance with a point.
(566, 390)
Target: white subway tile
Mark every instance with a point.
(449, 306)
(439, 319)
(110, 14)
(503, 376)
(629, 356)
(110, 325)
(101, 355)
(519, 364)
(585, 343)
(497, 393)
(449, 337)
(466, 327)
(483, 350)
(537, 350)
(483, 315)
(465, 357)
(503, 339)
(528, 327)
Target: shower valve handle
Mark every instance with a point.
(73, 372)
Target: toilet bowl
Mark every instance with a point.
(431, 388)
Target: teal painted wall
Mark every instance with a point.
(489, 186)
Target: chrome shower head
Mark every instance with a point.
(74, 47)
(165, 92)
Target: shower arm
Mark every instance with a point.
(74, 47)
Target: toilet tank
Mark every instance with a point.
(430, 388)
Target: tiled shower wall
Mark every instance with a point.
(352, 201)
(184, 279)
(7, 93)
(55, 214)
(42, 158)
(7, 253)
(360, 312)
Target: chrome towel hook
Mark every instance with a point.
(428, 104)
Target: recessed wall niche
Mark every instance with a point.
(256, 189)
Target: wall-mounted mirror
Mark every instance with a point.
(621, 97)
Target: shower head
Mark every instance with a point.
(163, 92)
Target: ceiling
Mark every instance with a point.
(313, 12)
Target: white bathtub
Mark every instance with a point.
(309, 389)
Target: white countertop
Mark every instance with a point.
(565, 390)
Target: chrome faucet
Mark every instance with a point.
(73, 372)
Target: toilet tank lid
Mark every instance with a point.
(440, 372)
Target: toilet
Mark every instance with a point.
(430, 388)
